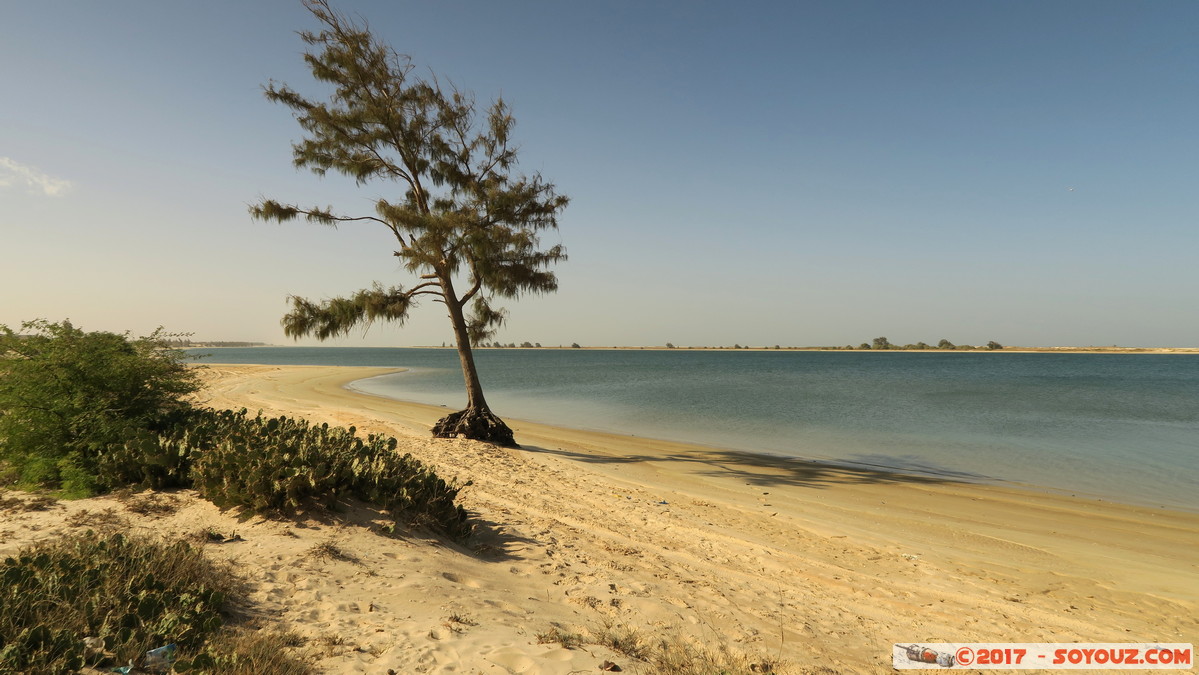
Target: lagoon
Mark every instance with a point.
(1106, 426)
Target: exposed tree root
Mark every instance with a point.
(475, 424)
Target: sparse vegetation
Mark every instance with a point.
(330, 551)
(567, 639)
(17, 504)
(244, 651)
(624, 640)
(130, 595)
(148, 504)
(678, 657)
(459, 622)
(106, 521)
(671, 656)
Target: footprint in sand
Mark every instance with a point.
(459, 579)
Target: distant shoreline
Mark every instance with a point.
(977, 350)
(1005, 350)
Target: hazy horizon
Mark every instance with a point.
(800, 174)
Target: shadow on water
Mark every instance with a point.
(776, 471)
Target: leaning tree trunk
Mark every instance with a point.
(476, 422)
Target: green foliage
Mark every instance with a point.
(93, 412)
(67, 396)
(282, 466)
(162, 460)
(134, 594)
(884, 343)
(462, 210)
(462, 218)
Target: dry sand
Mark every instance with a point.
(817, 566)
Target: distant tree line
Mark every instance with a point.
(183, 342)
(878, 343)
(882, 343)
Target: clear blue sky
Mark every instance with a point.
(798, 173)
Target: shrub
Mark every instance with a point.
(132, 593)
(92, 412)
(67, 396)
(163, 460)
(283, 466)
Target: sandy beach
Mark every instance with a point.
(590, 533)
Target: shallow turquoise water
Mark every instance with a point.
(1122, 427)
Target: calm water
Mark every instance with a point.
(1123, 427)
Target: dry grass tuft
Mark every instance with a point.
(105, 520)
(330, 644)
(241, 651)
(678, 657)
(675, 655)
(16, 504)
(623, 640)
(149, 503)
(331, 551)
(566, 639)
(456, 621)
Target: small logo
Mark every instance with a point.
(918, 654)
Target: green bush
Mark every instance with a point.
(132, 593)
(67, 397)
(93, 412)
(163, 460)
(283, 465)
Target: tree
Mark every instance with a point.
(464, 222)
(945, 344)
(882, 343)
(994, 345)
(67, 396)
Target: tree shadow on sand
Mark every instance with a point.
(776, 471)
(495, 542)
(488, 540)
